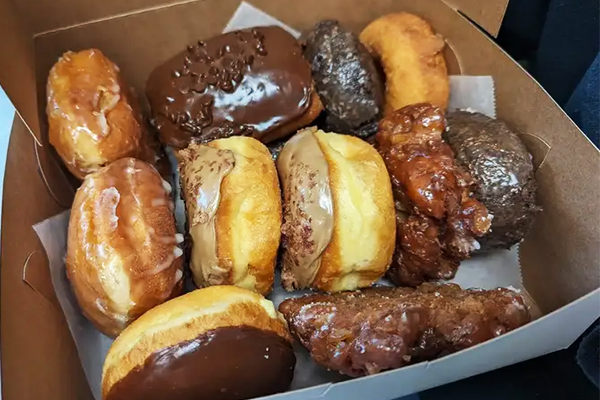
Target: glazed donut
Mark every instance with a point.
(92, 116)
(503, 171)
(122, 250)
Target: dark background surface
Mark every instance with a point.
(555, 376)
(557, 41)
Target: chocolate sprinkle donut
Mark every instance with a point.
(247, 82)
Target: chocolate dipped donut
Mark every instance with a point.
(338, 213)
(252, 82)
(217, 343)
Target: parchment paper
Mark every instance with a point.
(500, 268)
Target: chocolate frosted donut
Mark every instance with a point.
(218, 343)
(346, 79)
(252, 82)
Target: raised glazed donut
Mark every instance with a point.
(122, 251)
(93, 118)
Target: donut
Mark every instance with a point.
(233, 205)
(252, 82)
(410, 53)
(216, 343)
(346, 79)
(339, 225)
(123, 255)
(93, 119)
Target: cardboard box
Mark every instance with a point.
(559, 258)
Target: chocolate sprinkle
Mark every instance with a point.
(259, 77)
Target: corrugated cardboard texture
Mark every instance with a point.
(47, 15)
(38, 355)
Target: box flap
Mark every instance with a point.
(17, 68)
(49, 15)
(33, 364)
(488, 14)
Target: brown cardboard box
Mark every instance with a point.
(559, 259)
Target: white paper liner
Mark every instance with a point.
(248, 16)
(487, 271)
(472, 93)
(92, 345)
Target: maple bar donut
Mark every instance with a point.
(338, 216)
(233, 206)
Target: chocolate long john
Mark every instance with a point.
(252, 82)
(363, 333)
(438, 220)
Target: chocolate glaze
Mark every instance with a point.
(247, 82)
(503, 171)
(202, 170)
(227, 363)
(276, 147)
(307, 209)
(346, 78)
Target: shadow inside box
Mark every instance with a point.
(308, 373)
